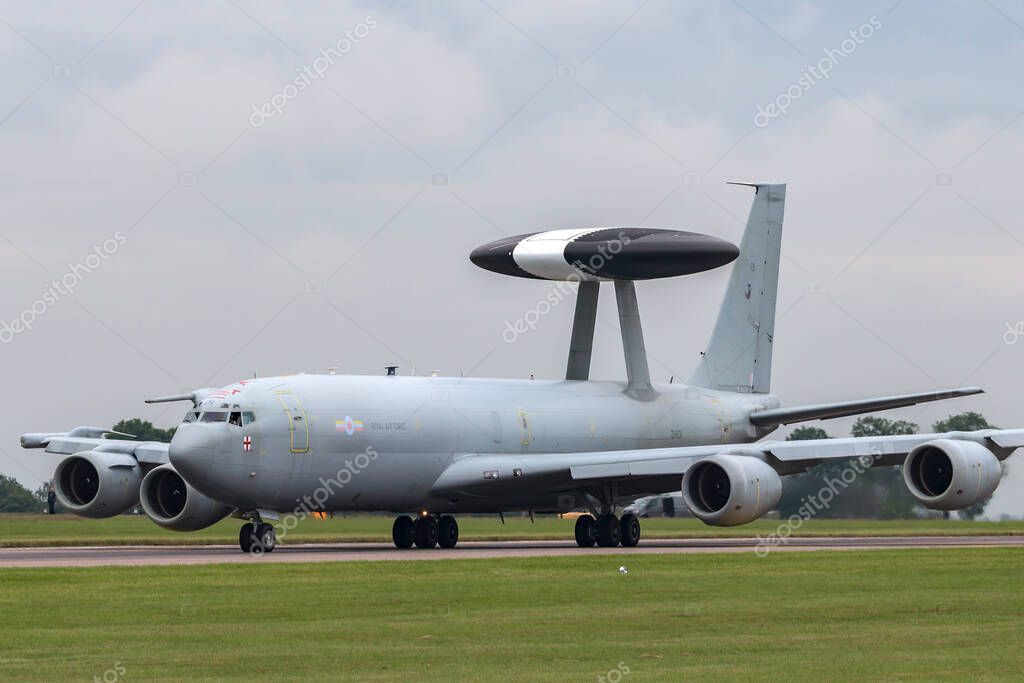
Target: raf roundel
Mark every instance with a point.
(348, 425)
(602, 254)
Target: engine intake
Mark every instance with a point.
(171, 503)
(729, 490)
(97, 484)
(947, 474)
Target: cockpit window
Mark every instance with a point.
(248, 417)
(191, 416)
(214, 416)
(235, 419)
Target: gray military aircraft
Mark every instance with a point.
(281, 448)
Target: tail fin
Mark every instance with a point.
(739, 355)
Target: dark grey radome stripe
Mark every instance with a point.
(648, 253)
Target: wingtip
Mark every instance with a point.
(965, 391)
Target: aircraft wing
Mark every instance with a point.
(827, 411)
(660, 469)
(92, 439)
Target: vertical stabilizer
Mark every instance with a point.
(739, 355)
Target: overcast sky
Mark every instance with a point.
(238, 224)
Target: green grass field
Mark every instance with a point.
(920, 615)
(41, 530)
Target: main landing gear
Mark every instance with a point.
(607, 531)
(427, 531)
(257, 537)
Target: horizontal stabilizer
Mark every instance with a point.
(827, 411)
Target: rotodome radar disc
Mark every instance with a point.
(604, 254)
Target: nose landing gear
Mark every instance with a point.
(257, 537)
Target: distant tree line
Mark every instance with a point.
(142, 430)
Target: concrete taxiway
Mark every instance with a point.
(186, 555)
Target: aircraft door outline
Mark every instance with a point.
(298, 422)
(525, 432)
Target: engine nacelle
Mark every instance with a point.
(729, 490)
(171, 503)
(98, 484)
(947, 474)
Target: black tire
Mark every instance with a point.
(586, 533)
(448, 532)
(403, 532)
(609, 532)
(630, 527)
(426, 532)
(264, 539)
(245, 538)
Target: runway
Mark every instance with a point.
(97, 556)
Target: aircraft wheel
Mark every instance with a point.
(403, 532)
(245, 538)
(609, 531)
(630, 527)
(426, 532)
(448, 532)
(264, 539)
(586, 534)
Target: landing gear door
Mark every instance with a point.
(298, 423)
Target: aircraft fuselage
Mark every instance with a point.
(380, 443)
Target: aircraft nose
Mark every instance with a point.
(191, 450)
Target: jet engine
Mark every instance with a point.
(729, 490)
(946, 474)
(171, 503)
(97, 484)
